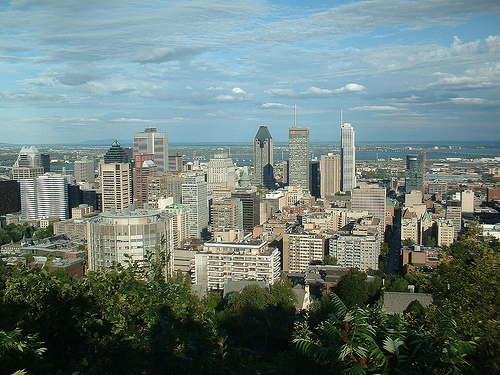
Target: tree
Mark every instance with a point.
(367, 341)
(408, 242)
(467, 289)
(329, 260)
(353, 288)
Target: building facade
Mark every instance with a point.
(298, 150)
(28, 164)
(44, 196)
(152, 142)
(195, 197)
(115, 182)
(239, 260)
(347, 157)
(330, 173)
(127, 236)
(414, 179)
(263, 156)
(358, 251)
(144, 167)
(300, 250)
(84, 170)
(221, 172)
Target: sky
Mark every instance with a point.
(214, 71)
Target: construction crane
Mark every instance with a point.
(425, 160)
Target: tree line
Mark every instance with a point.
(130, 320)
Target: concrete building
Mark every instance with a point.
(298, 150)
(359, 251)
(243, 259)
(301, 250)
(263, 156)
(445, 232)
(372, 199)
(330, 169)
(180, 221)
(81, 211)
(195, 197)
(467, 202)
(347, 157)
(74, 229)
(250, 202)
(84, 170)
(152, 142)
(226, 213)
(414, 179)
(454, 213)
(115, 182)
(221, 172)
(144, 167)
(127, 235)
(44, 196)
(28, 164)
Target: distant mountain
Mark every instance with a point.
(104, 142)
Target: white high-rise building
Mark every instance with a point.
(298, 149)
(152, 142)
(359, 251)
(221, 172)
(195, 197)
(348, 157)
(300, 250)
(247, 259)
(44, 196)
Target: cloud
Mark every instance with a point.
(135, 120)
(218, 88)
(238, 91)
(468, 101)
(375, 108)
(317, 92)
(280, 92)
(274, 105)
(75, 79)
(484, 77)
(162, 54)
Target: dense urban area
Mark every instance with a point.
(298, 258)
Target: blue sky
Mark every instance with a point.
(214, 71)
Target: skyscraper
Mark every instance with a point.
(330, 175)
(152, 142)
(221, 172)
(44, 196)
(194, 195)
(370, 198)
(414, 173)
(116, 154)
(84, 170)
(263, 158)
(115, 186)
(347, 157)
(144, 167)
(298, 149)
(28, 164)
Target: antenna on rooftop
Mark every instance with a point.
(295, 116)
(341, 117)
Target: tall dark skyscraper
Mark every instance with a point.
(298, 149)
(263, 158)
(116, 154)
(414, 179)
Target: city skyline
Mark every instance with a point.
(209, 72)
